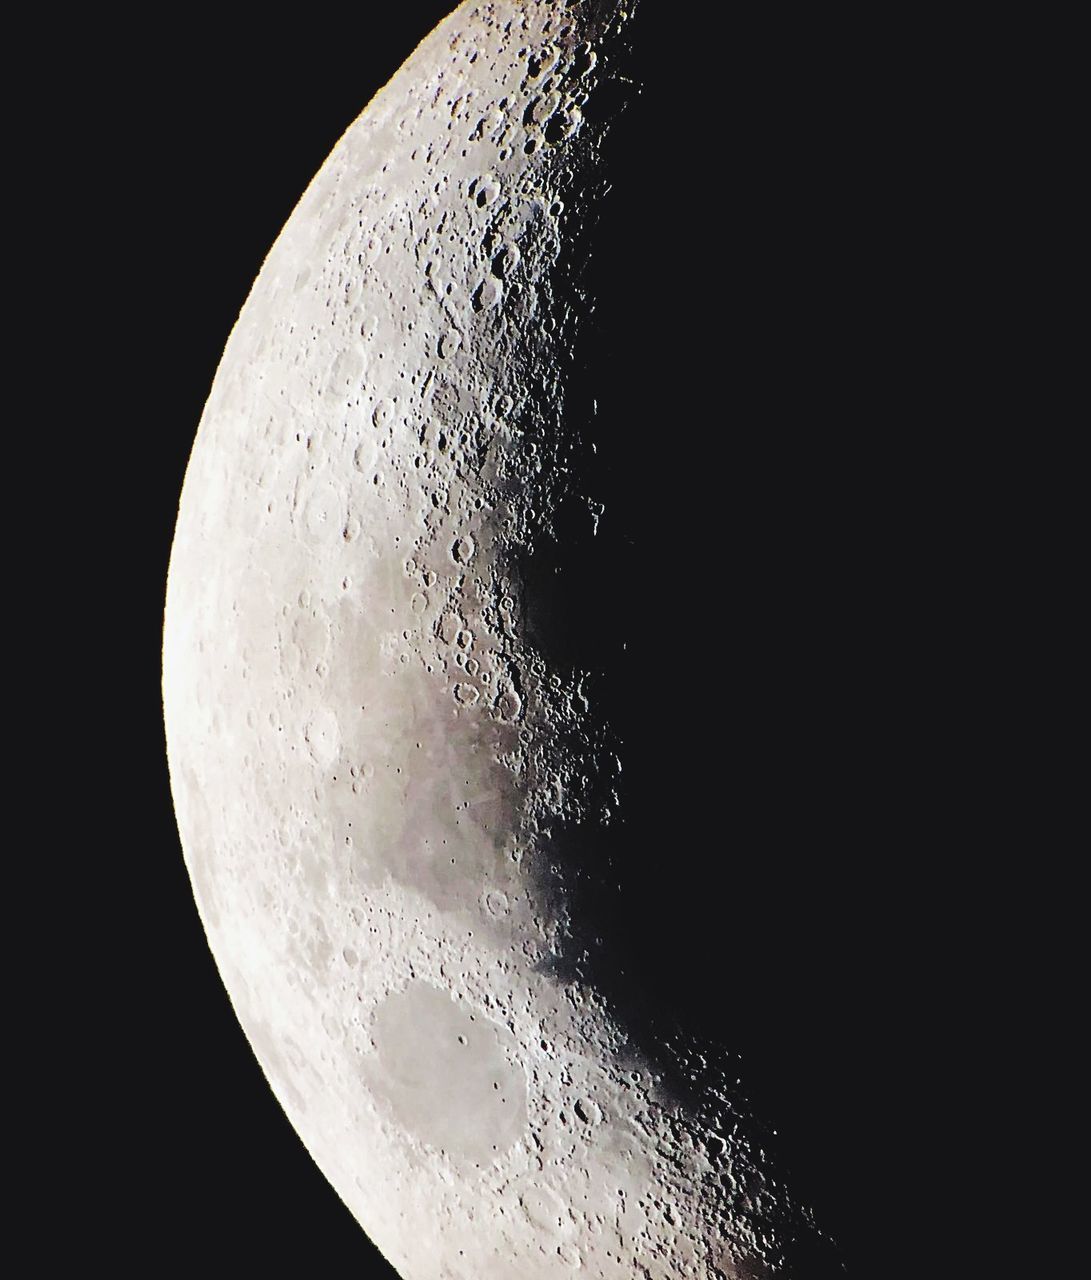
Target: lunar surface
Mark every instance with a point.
(390, 767)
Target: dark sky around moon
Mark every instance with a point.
(777, 649)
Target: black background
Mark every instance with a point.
(812, 605)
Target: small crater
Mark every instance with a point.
(487, 295)
(496, 903)
(462, 552)
(508, 705)
(587, 1112)
(504, 262)
(485, 191)
(323, 737)
(546, 1210)
(570, 1256)
(449, 344)
(322, 515)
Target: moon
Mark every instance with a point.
(388, 755)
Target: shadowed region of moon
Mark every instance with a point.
(481, 730)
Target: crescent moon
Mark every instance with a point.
(378, 762)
